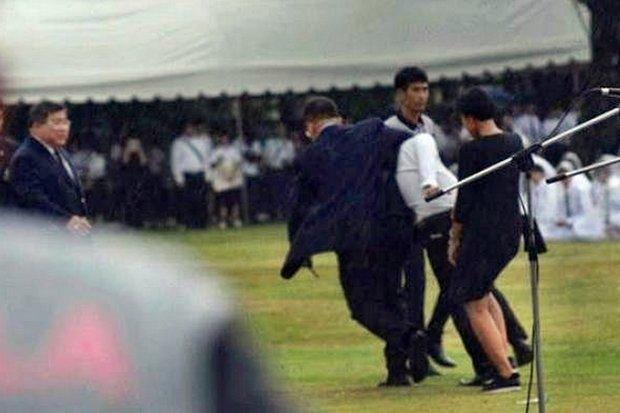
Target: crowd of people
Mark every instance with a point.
(201, 173)
(357, 189)
(205, 177)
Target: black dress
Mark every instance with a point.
(489, 212)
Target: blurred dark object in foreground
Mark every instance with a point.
(110, 326)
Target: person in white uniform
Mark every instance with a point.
(189, 158)
(544, 196)
(576, 217)
(606, 196)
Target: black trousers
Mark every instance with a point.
(194, 196)
(370, 281)
(434, 236)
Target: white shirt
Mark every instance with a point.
(189, 154)
(226, 162)
(427, 125)
(278, 152)
(418, 166)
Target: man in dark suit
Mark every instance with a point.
(41, 177)
(346, 200)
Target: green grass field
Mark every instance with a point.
(329, 363)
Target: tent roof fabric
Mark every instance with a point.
(82, 50)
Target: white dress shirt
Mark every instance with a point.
(418, 166)
(189, 154)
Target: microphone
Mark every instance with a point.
(558, 177)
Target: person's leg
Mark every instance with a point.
(235, 207)
(220, 200)
(435, 237)
(485, 327)
(435, 241)
(498, 317)
(517, 337)
(364, 294)
(514, 329)
(414, 285)
(363, 276)
(193, 200)
(395, 357)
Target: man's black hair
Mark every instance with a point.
(477, 104)
(408, 75)
(40, 112)
(319, 107)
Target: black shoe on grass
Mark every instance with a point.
(502, 385)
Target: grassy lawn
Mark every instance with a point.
(327, 361)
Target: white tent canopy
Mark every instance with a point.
(123, 49)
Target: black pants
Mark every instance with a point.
(194, 201)
(256, 190)
(434, 235)
(370, 281)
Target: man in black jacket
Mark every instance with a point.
(346, 200)
(41, 176)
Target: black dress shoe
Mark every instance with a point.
(523, 353)
(418, 360)
(435, 351)
(396, 380)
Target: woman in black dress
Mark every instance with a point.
(486, 230)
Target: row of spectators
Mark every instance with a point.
(141, 166)
(579, 208)
(205, 176)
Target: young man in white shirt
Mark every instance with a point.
(412, 95)
(420, 172)
(189, 158)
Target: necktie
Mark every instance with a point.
(58, 158)
(61, 162)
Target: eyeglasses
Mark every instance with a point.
(59, 122)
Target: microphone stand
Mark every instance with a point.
(566, 175)
(521, 159)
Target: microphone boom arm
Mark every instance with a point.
(530, 149)
(566, 175)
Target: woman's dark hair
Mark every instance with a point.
(477, 104)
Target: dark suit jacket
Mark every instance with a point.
(345, 195)
(40, 184)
